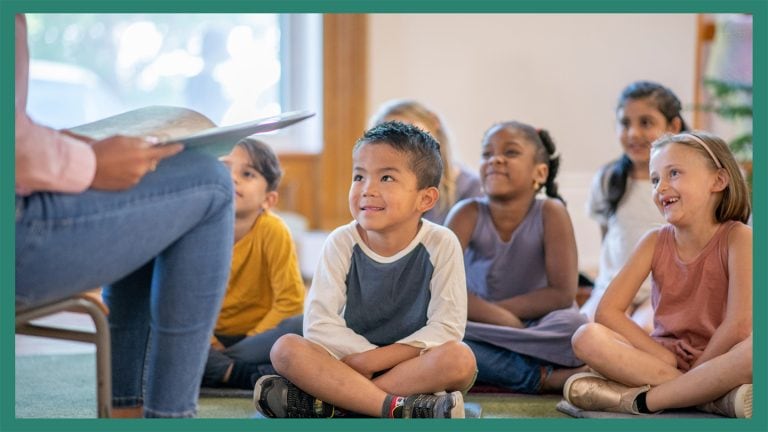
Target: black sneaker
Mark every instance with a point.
(444, 405)
(275, 396)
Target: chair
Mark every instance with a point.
(100, 338)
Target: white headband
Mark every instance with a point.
(706, 147)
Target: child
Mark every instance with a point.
(618, 199)
(457, 181)
(521, 264)
(701, 272)
(386, 312)
(265, 289)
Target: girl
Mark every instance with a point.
(265, 294)
(521, 265)
(457, 182)
(618, 199)
(701, 272)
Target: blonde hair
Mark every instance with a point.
(735, 202)
(417, 112)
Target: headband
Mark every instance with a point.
(706, 147)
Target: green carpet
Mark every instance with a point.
(63, 386)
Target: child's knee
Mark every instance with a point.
(458, 360)
(283, 351)
(585, 338)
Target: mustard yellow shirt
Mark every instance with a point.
(265, 285)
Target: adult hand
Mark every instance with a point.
(122, 161)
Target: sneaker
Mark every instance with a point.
(275, 396)
(441, 405)
(592, 392)
(736, 403)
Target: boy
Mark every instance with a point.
(387, 309)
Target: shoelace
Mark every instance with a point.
(304, 405)
(420, 406)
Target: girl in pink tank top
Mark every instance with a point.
(701, 270)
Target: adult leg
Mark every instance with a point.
(180, 220)
(610, 354)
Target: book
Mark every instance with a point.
(181, 125)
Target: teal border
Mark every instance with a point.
(759, 9)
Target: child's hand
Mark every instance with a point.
(217, 345)
(359, 364)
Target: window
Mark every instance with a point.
(230, 67)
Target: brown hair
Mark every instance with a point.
(735, 202)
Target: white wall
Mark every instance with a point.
(561, 72)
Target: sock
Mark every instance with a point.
(392, 407)
(640, 403)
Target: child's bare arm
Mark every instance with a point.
(487, 312)
(380, 359)
(737, 324)
(562, 268)
(611, 311)
(461, 220)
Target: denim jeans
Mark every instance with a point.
(502, 367)
(162, 251)
(248, 349)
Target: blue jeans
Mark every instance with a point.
(502, 367)
(250, 352)
(162, 249)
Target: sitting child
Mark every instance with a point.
(265, 294)
(387, 309)
(701, 272)
(521, 264)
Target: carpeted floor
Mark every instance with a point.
(63, 386)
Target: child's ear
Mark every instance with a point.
(722, 179)
(676, 125)
(270, 200)
(429, 198)
(540, 173)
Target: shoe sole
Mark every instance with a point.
(574, 377)
(743, 404)
(257, 388)
(458, 405)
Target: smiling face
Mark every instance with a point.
(640, 123)
(384, 197)
(508, 164)
(251, 194)
(685, 186)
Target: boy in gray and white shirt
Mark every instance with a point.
(387, 309)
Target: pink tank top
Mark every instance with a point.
(689, 298)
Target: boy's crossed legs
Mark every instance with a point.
(310, 367)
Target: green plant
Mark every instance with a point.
(732, 101)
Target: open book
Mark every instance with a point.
(186, 126)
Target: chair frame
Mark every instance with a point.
(100, 338)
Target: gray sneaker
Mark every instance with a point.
(275, 396)
(443, 405)
(736, 403)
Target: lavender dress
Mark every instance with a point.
(497, 270)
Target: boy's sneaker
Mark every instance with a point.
(736, 403)
(275, 396)
(442, 405)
